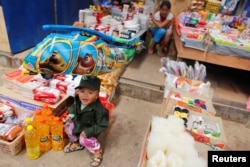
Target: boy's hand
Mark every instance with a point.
(83, 134)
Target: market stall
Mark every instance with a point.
(207, 34)
(54, 67)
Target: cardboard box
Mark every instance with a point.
(209, 114)
(212, 129)
(192, 102)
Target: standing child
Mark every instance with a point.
(86, 120)
(162, 29)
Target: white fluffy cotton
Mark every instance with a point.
(158, 160)
(175, 125)
(157, 141)
(169, 144)
(159, 124)
(174, 160)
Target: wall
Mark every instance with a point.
(177, 5)
(4, 40)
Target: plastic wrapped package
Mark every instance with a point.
(80, 51)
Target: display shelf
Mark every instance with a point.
(210, 57)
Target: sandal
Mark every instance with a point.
(73, 146)
(150, 51)
(96, 159)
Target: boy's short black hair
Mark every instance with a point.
(165, 3)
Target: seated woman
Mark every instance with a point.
(162, 29)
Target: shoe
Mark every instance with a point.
(97, 158)
(150, 51)
(161, 54)
(72, 146)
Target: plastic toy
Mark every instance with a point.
(79, 51)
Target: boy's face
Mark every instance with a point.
(87, 96)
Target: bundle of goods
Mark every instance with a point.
(168, 144)
(109, 82)
(213, 6)
(181, 103)
(6, 111)
(124, 20)
(83, 51)
(197, 5)
(31, 86)
(179, 68)
(192, 25)
(185, 78)
(207, 129)
(11, 131)
(45, 127)
(229, 7)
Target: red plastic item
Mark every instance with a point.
(109, 106)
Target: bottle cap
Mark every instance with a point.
(29, 127)
(38, 112)
(41, 121)
(56, 120)
(27, 120)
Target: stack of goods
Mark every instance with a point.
(124, 22)
(43, 132)
(180, 68)
(31, 86)
(108, 84)
(213, 6)
(230, 34)
(197, 5)
(9, 130)
(192, 25)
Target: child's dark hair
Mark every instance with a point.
(165, 3)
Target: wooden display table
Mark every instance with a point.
(210, 57)
(24, 103)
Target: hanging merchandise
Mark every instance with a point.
(213, 6)
(197, 5)
(229, 7)
(82, 51)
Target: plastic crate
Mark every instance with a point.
(190, 32)
(13, 147)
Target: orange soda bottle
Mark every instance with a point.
(45, 109)
(36, 116)
(43, 134)
(31, 142)
(57, 134)
(49, 117)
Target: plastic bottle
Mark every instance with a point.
(27, 121)
(43, 134)
(57, 134)
(31, 142)
(36, 116)
(49, 117)
(45, 109)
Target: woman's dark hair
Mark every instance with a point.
(165, 3)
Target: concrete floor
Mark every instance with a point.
(122, 141)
